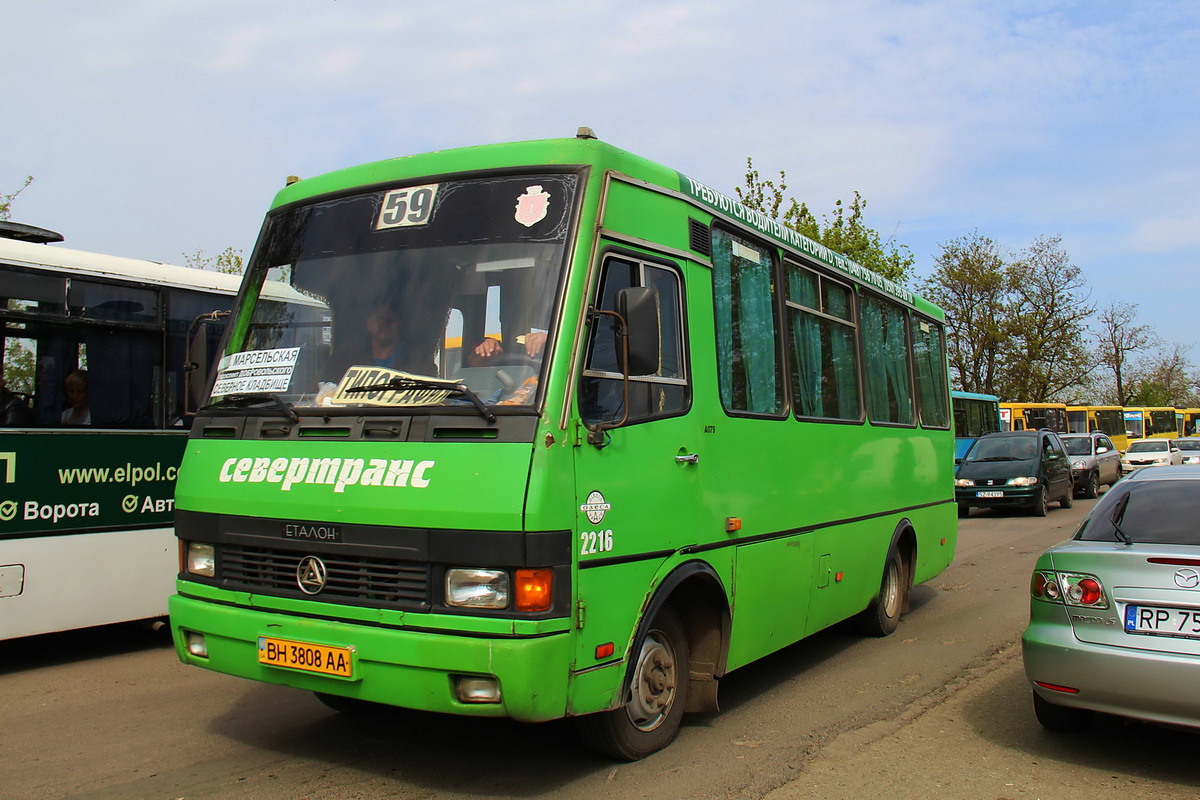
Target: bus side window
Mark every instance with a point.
(665, 391)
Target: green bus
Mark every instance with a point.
(559, 432)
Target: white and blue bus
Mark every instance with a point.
(94, 407)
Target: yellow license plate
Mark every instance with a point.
(306, 656)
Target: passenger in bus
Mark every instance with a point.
(389, 348)
(14, 408)
(75, 389)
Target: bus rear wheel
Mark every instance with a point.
(883, 615)
(653, 709)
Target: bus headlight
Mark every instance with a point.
(201, 559)
(1023, 481)
(477, 588)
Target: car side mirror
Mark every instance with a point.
(1101, 451)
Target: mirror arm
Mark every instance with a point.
(596, 432)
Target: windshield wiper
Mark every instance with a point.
(417, 383)
(998, 458)
(1118, 514)
(243, 400)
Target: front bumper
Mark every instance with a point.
(1013, 496)
(400, 667)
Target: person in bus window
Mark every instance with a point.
(388, 347)
(75, 389)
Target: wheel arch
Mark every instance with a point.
(904, 540)
(697, 595)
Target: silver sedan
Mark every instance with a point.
(1115, 611)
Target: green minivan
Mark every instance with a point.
(1014, 469)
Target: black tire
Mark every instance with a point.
(1061, 718)
(1068, 499)
(1092, 488)
(649, 718)
(352, 705)
(883, 615)
(964, 511)
(1041, 503)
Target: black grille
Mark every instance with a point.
(699, 237)
(351, 580)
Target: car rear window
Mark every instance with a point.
(1158, 512)
(1148, 447)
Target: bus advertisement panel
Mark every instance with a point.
(538, 443)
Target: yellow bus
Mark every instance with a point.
(1191, 420)
(1107, 419)
(1151, 422)
(1032, 416)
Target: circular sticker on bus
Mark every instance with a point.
(595, 508)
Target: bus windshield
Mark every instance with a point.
(398, 288)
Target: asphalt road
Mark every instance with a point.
(939, 709)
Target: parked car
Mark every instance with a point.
(1189, 449)
(1150, 453)
(1114, 622)
(1023, 469)
(1095, 461)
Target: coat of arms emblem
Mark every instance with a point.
(532, 206)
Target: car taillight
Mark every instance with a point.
(1087, 592)
(1068, 587)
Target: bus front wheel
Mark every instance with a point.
(653, 709)
(883, 615)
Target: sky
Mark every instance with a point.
(155, 129)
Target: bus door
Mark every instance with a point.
(637, 468)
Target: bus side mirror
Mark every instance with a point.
(637, 306)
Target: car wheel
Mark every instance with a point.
(883, 615)
(1092, 488)
(964, 511)
(658, 686)
(1061, 718)
(1068, 499)
(1041, 503)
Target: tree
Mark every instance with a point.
(6, 200)
(847, 231)
(1163, 380)
(228, 261)
(1017, 328)
(1119, 338)
(1046, 355)
(971, 283)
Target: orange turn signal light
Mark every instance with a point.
(534, 589)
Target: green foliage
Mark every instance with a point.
(846, 231)
(973, 285)
(1017, 327)
(6, 200)
(228, 261)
